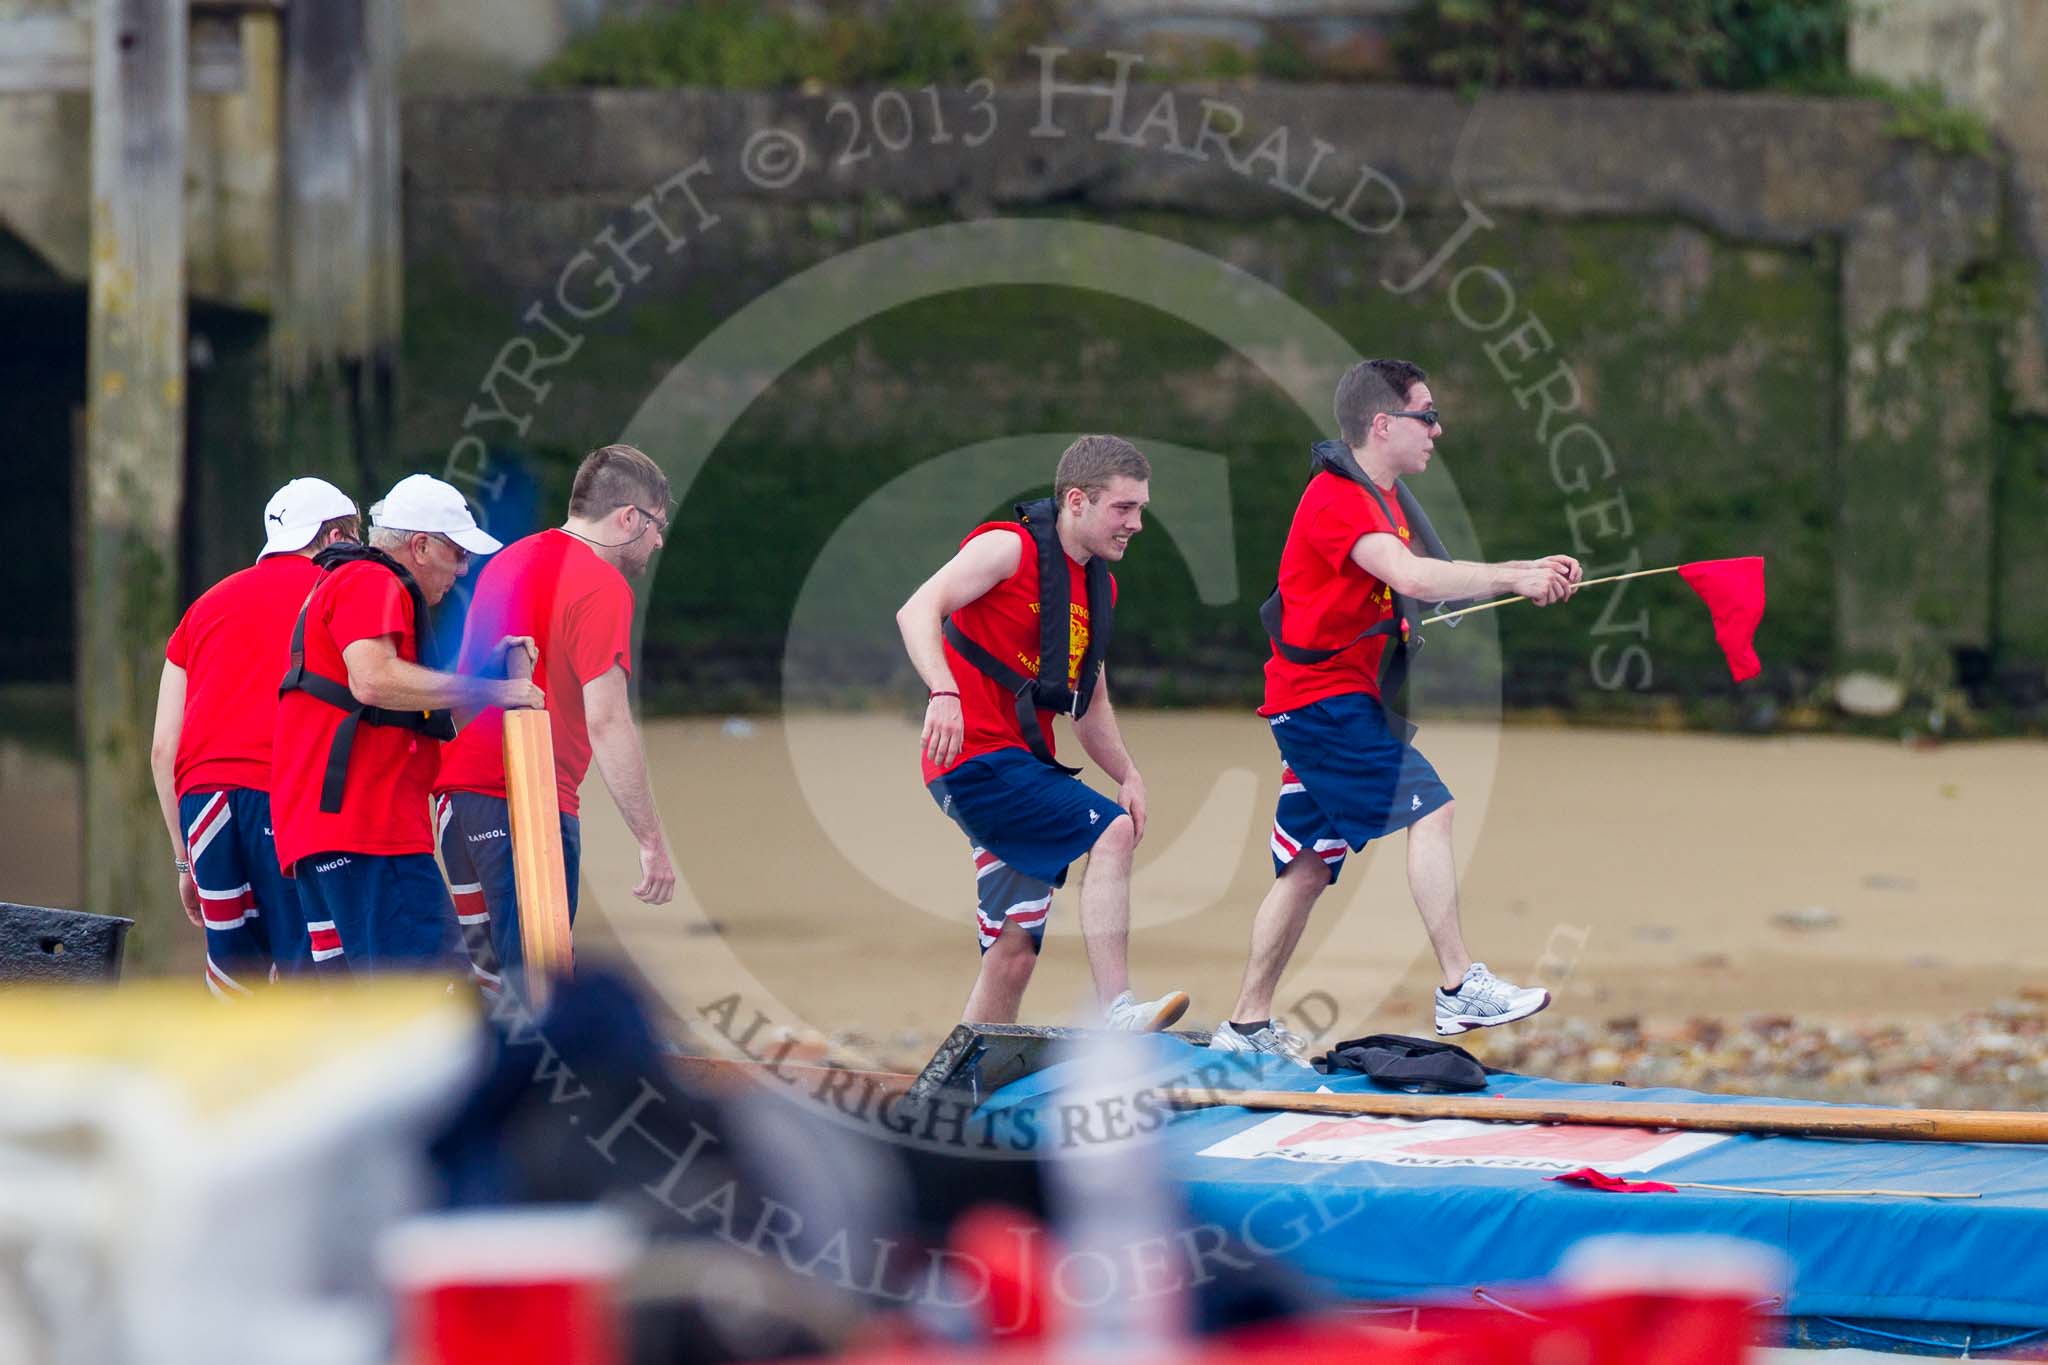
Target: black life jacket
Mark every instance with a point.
(1336, 457)
(334, 691)
(1049, 691)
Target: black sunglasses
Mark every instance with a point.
(1427, 416)
(461, 555)
(660, 521)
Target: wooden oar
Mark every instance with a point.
(1791, 1120)
(1503, 601)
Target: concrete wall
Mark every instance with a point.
(455, 46)
(1988, 56)
(1764, 303)
(230, 181)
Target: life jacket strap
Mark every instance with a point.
(1025, 689)
(335, 692)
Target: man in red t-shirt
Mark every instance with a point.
(566, 588)
(977, 632)
(360, 725)
(210, 752)
(1348, 776)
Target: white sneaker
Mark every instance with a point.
(1483, 1000)
(1147, 1016)
(1272, 1040)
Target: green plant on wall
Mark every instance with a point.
(1792, 45)
(1578, 44)
(1626, 44)
(1781, 44)
(1922, 113)
(724, 43)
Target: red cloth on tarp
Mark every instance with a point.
(1613, 1184)
(1733, 590)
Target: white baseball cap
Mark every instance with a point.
(296, 512)
(421, 502)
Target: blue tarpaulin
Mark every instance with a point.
(1392, 1211)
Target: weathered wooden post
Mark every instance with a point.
(335, 320)
(134, 457)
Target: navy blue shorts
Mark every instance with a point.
(1346, 780)
(254, 931)
(476, 849)
(377, 912)
(1025, 822)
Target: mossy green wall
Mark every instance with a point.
(1708, 367)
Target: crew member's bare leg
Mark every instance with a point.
(1106, 910)
(1433, 881)
(1005, 971)
(1276, 930)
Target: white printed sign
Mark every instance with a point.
(1546, 1147)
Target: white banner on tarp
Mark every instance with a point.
(1459, 1142)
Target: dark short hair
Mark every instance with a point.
(1370, 388)
(614, 476)
(1092, 461)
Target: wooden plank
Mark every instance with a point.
(336, 311)
(50, 51)
(134, 466)
(45, 51)
(542, 885)
(1789, 1120)
(216, 55)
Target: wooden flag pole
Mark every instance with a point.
(537, 869)
(1589, 583)
(1789, 1120)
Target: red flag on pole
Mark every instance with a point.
(1733, 590)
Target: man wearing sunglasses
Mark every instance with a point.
(216, 707)
(568, 589)
(360, 725)
(1359, 562)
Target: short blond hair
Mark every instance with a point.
(1092, 461)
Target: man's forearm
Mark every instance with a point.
(1438, 580)
(924, 639)
(399, 685)
(162, 770)
(166, 732)
(1099, 735)
(622, 763)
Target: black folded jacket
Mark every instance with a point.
(1403, 1063)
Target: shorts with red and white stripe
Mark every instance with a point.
(376, 912)
(1346, 780)
(1299, 826)
(1004, 896)
(1026, 822)
(254, 931)
(475, 835)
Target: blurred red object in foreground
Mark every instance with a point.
(509, 1287)
(1708, 1328)
(1012, 1250)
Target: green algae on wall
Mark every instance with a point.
(1706, 367)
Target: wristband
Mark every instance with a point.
(934, 696)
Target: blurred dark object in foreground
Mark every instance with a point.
(779, 1227)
